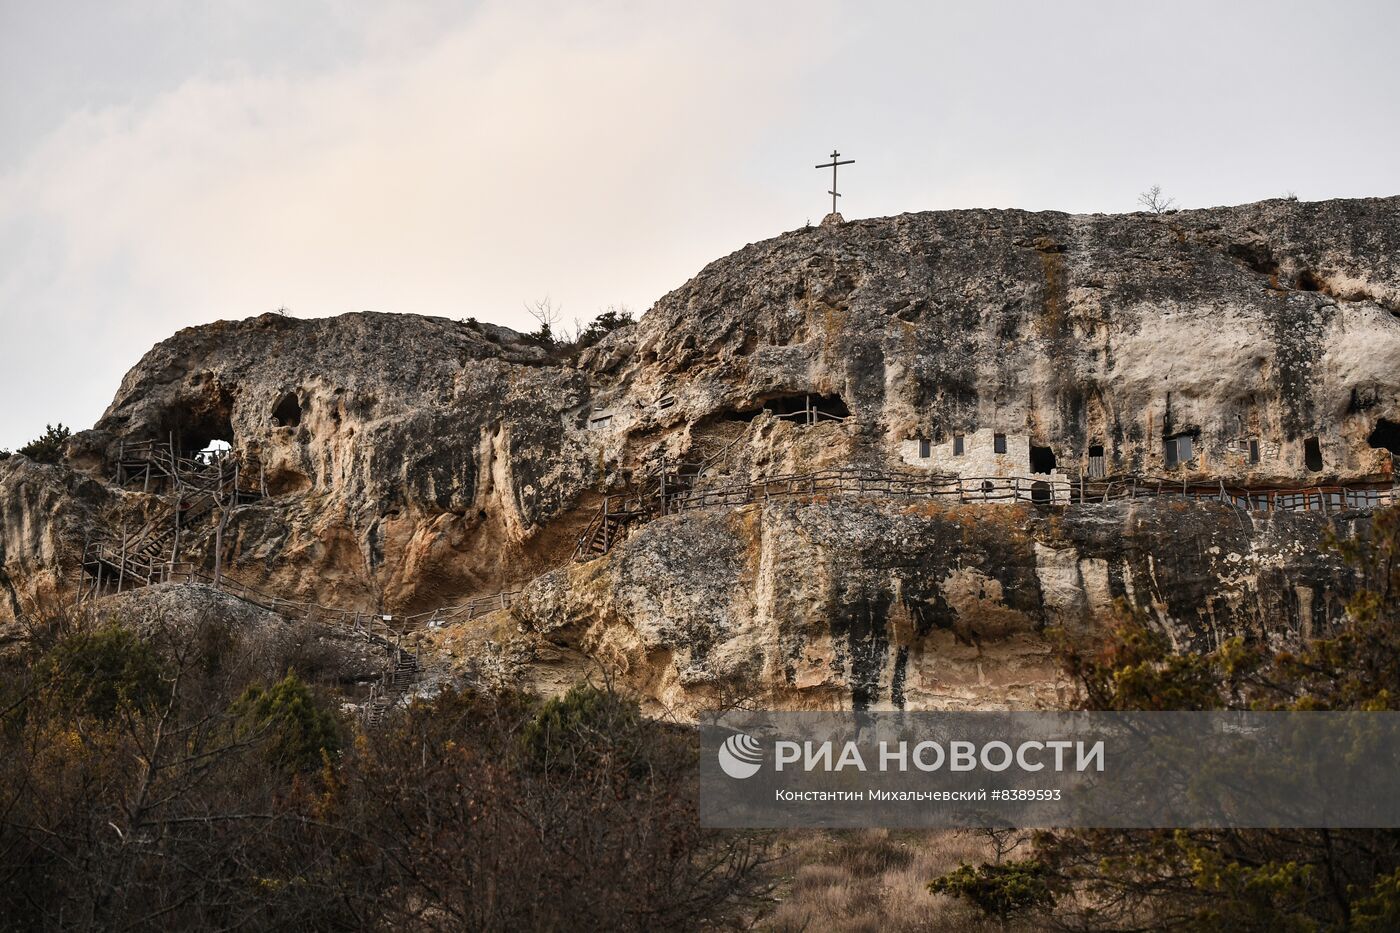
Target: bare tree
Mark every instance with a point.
(1155, 201)
(548, 316)
(1002, 840)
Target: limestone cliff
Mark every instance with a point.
(411, 462)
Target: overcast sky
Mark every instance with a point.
(165, 163)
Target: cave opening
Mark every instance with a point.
(214, 451)
(204, 426)
(1042, 459)
(1256, 256)
(1385, 436)
(803, 407)
(1312, 454)
(287, 414)
(1040, 492)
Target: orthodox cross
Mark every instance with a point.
(832, 165)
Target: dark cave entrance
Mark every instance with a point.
(287, 414)
(1308, 282)
(802, 407)
(1386, 436)
(1042, 459)
(1312, 454)
(1040, 492)
(206, 424)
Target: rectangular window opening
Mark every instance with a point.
(1312, 454)
(957, 445)
(999, 443)
(1253, 450)
(925, 448)
(1179, 449)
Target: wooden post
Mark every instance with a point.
(82, 561)
(175, 543)
(121, 568)
(606, 543)
(663, 484)
(219, 545)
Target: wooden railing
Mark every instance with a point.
(134, 556)
(1044, 489)
(385, 626)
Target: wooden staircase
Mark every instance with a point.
(605, 530)
(141, 555)
(619, 513)
(398, 681)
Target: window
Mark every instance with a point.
(924, 448)
(597, 422)
(1312, 454)
(1178, 450)
(1253, 450)
(1096, 465)
(999, 443)
(957, 445)
(665, 401)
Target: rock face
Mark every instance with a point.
(43, 513)
(916, 605)
(410, 462)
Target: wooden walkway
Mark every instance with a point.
(677, 491)
(387, 631)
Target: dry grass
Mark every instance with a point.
(871, 881)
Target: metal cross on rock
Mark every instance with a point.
(832, 165)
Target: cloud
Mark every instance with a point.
(564, 150)
(223, 159)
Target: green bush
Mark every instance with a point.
(583, 729)
(103, 672)
(602, 325)
(294, 730)
(48, 447)
(999, 890)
